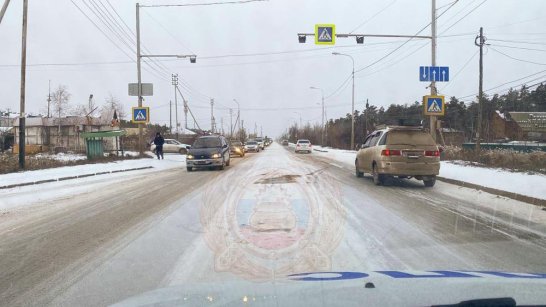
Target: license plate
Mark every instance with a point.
(200, 162)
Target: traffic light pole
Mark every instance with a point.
(139, 77)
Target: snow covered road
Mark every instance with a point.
(268, 215)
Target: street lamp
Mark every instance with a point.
(353, 100)
(238, 115)
(322, 92)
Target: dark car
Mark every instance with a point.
(208, 151)
(284, 142)
(237, 148)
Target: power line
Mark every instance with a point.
(460, 70)
(371, 18)
(204, 4)
(516, 42)
(520, 48)
(169, 32)
(513, 58)
(470, 12)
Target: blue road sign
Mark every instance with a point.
(434, 105)
(434, 73)
(141, 115)
(444, 74)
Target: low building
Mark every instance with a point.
(48, 133)
(532, 125)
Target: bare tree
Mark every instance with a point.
(112, 104)
(60, 99)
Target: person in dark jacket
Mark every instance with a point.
(158, 142)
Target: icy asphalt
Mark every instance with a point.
(268, 215)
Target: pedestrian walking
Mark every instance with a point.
(158, 142)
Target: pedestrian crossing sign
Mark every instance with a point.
(434, 105)
(325, 34)
(141, 115)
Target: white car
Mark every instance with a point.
(303, 146)
(173, 146)
(252, 146)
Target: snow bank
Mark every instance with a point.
(170, 161)
(533, 185)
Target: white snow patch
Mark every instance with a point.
(170, 161)
(533, 185)
(64, 157)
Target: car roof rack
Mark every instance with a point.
(396, 127)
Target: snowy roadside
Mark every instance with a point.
(533, 185)
(170, 161)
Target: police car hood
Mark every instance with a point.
(379, 288)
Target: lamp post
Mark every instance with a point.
(238, 115)
(353, 100)
(322, 131)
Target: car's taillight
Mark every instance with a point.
(390, 152)
(432, 153)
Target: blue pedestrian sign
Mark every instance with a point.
(325, 34)
(141, 115)
(434, 105)
(434, 73)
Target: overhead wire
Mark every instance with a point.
(514, 58)
(375, 15)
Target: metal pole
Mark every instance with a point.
(212, 115)
(185, 113)
(22, 126)
(433, 53)
(171, 115)
(480, 95)
(353, 111)
(139, 73)
(49, 98)
(177, 125)
(323, 127)
(230, 122)
(3, 11)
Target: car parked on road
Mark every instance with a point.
(284, 143)
(402, 152)
(252, 146)
(303, 146)
(237, 148)
(173, 146)
(208, 152)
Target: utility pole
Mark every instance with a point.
(49, 98)
(480, 41)
(242, 130)
(90, 103)
(230, 122)
(255, 129)
(171, 116)
(212, 115)
(185, 114)
(261, 131)
(139, 77)
(22, 126)
(222, 124)
(175, 84)
(433, 91)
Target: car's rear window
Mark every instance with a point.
(409, 138)
(303, 142)
(251, 143)
(207, 143)
(236, 143)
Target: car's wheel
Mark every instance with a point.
(189, 168)
(429, 183)
(378, 179)
(183, 151)
(358, 173)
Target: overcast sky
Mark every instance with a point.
(271, 88)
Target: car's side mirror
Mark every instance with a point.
(363, 146)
